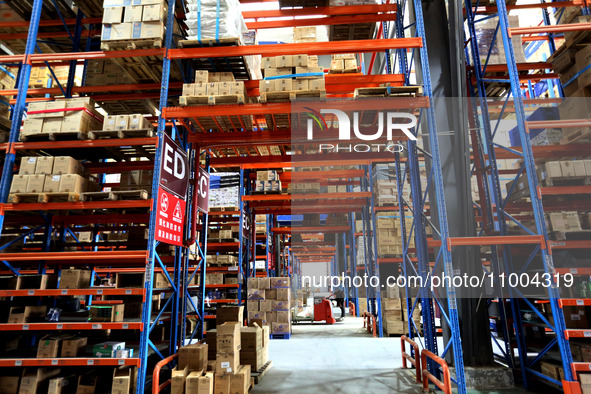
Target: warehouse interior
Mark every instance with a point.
(295, 196)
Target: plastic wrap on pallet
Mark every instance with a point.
(214, 19)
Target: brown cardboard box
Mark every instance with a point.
(270, 317)
(271, 294)
(279, 282)
(221, 77)
(300, 84)
(316, 84)
(75, 279)
(551, 370)
(575, 317)
(28, 165)
(113, 15)
(49, 346)
(107, 313)
(256, 316)
(206, 383)
(585, 379)
(280, 328)
(9, 384)
(193, 356)
(391, 304)
(254, 305)
(36, 183)
(264, 283)
(275, 72)
(72, 183)
(283, 316)
(300, 60)
(177, 385)
(87, 383)
(252, 283)
(122, 122)
(240, 381)
(222, 383)
(154, 13)
(139, 122)
(19, 184)
(123, 380)
(36, 380)
(252, 294)
(337, 64)
(229, 314)
(132, 14)
(188, 89)
(251, 338)
(74, 347)
(228, 344)
(269, 62)
(36, 107)
(350, 64)
(280, 306)
(213, 89)
(52, 183)
(201, 76)
(200, 89)
(110, 122)
(52, 125)
(151, 29)
(282, 294)
(254, 358)
(226, 363)
(192, 382)
(266, 305)
(284, 61)
(27, 314)
(586, 354)
(283, 85)
(33, 126)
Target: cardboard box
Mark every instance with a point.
(192, 382)
(283, 85)
(266, 305)
(275, 72)
(28, 165)
(52, 125)
(280, 305)
(226, 363)
(122, 122)
(350, 64)
(139, 122)
(41, 282)
(154, 13)
(567, 168)
(316, 84)
(252, 305)
(20, 184)
(279, 282)
(9, 384)
(148, 30)
(300, 60)
(123, 381)
(75, 279)
(49, 346)
(188, 89)
(551, 370)
(113, 14)
(72, 183)
(266, 86)
(271, 294)
(201, 76)
(36, 107)
(254, 358)
(36, 183)
(33, 126)
(66, 165)
(193, 357)
(213, 89)
(116, 31)
(52, 183)
(240, 381)
(270, 317)
(337, 64)
(252, 283)
(221, 77)
(256, 294)
(229, 314)
(106, 313)
(36, 380)
(284, 61)
(280, 328)
(251, 338)
(585, 379)
(131, 14)
(228, 344)
(229, 329)
(283, 294)
(283, 316)
(87, 383)
(222, 383)
(300, 84)
(74, 347)
(269, 62)
(27, 314)
(264, 283)
(206, 383)
(177, 379)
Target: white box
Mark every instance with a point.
(133, 13)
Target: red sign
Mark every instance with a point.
(172, 192)
(203, 191)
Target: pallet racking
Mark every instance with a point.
(497, 211)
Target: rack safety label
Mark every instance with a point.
(172, 193)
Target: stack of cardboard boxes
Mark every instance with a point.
(291, 74)
(135, 180)
(104, 72)
(127, 122)
(395, 311)
(40, 77)
(124, 22)
(269, 303)
(76, 115)
(48, 174)
(255, 346)
(343, 63)
(304, 34)
(212, 84)
(268, 181)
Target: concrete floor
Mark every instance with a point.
(339, 358)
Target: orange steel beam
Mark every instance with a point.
(71, 326)
(94, 89)
(520, 67)
(496, 240)
(321, 21)
(557, 4)
(51, 22)
(70, 292)
(85, 143)
(310, 196)
(53, 206)
(583, 244)
(55, 34)
(549, 29)
(328, 11)
(560, 190)
(68, 362)
(311, 48)
(82, 257)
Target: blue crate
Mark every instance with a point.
(280, 336)
(545, 113)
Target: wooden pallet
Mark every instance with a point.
(98, 196)
(18, 198)
(210, 42)
(212, 100)
(576, 136)
(291, 95)
(355, 31)
(222, 240)
(67, 136)
(581, 38)
(390, 91)
(130, 194)
(566, 181)
(572, 235)
(108, 134)
(223, 209)
(303, 3)
(343, 70)
(132, 44)
(258, 375)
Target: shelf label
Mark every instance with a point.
(125, 326)
(580, 302)
(59, 327)
(99, 292)
(31, 292)
(54, 362)
(97, 326)
(121, 362)
(89, 362)
(25, 326)
(233, 268)
(18, 363)
(574, 271)
(64, 291)
(587, 334)
(128, 291)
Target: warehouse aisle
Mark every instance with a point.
(339, 358)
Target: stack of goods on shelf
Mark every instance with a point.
(486, 32)
(214, 20)
(212, 88)
(47, 178)
(104, 72)
(269, 304)
(63, 118)
(343, 63)
(268, 182)
(144, 23)
(41, 76)
(223, 233)
(260, 224)
(136, 180)
(121, 126)
(191, 370)
(287, 77)
(395, 311)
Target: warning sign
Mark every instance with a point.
(172, 192)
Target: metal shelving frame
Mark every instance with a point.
(493, 207)
(116, 261)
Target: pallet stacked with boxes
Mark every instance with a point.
(395, 311)
(142, 23)
(124, 126)
(343, 63)
(290, 76)
(61, 119)
(212, 88)
(268, 182)
(269, 304)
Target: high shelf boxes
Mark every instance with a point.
(145, 19)
(269, 303)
